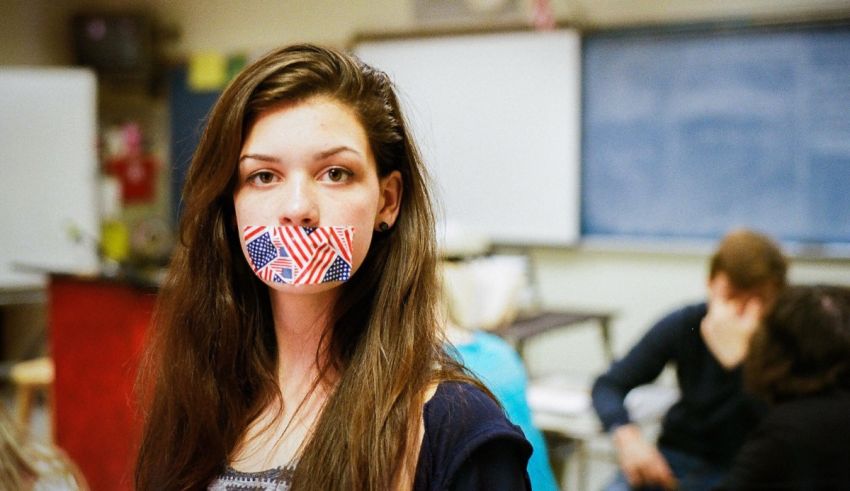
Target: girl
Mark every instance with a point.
(296, 341)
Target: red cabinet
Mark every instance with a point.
(97, 327)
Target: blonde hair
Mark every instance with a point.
(25, 464)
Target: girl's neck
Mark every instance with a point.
(300, 322)
(276, 437)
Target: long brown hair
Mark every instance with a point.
(210, 364)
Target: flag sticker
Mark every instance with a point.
(294, 255)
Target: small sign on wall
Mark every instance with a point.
(466, 11)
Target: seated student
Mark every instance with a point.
(498, 365)
(702, 432)
(800, 361)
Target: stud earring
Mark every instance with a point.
(383, 227)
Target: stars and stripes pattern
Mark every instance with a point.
(295, 255)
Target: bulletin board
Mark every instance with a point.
(188, 110)
(496, 116)
(687, 133)
(49, 183)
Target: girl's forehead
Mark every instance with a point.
(310, 126)
(317, 114)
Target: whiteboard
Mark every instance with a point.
(48, 157)
(497, 118)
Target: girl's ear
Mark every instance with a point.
(389, 203)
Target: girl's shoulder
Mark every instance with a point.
(453, 401)
(460, 419)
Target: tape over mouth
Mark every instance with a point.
(294, 255)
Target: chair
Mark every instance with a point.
(29, 377)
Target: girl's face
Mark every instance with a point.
(309, 164)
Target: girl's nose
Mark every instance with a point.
(298, 203)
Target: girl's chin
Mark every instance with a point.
(304, 289)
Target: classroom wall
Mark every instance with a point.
(638, 286)
(36, 31)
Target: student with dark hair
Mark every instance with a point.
(702, 432)
(297, 342)
(799, 361)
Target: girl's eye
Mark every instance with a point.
(262, 177)
(338, 174)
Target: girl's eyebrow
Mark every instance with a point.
(256, 156)
(335, 150)
(320, 155)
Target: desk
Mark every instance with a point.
(575, 425)
(22, 296)
(525, 327)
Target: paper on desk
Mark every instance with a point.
(649, 403)
(558, 398)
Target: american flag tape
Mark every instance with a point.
(294, 255)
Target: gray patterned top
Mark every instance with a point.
(277, 479)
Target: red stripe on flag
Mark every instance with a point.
(314, 237)
(250, 232)
(306, 242)
(349, 237)
(293, 246)
(316, 269)
(344, 251)
(319, 237)
(323, 260)
(331, 257)
(303, 238)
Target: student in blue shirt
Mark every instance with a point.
(489, 357)
(499, 366)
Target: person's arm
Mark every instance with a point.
(495, 466)
(640, 460)
(641, 365)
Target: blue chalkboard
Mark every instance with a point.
(689, 133)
